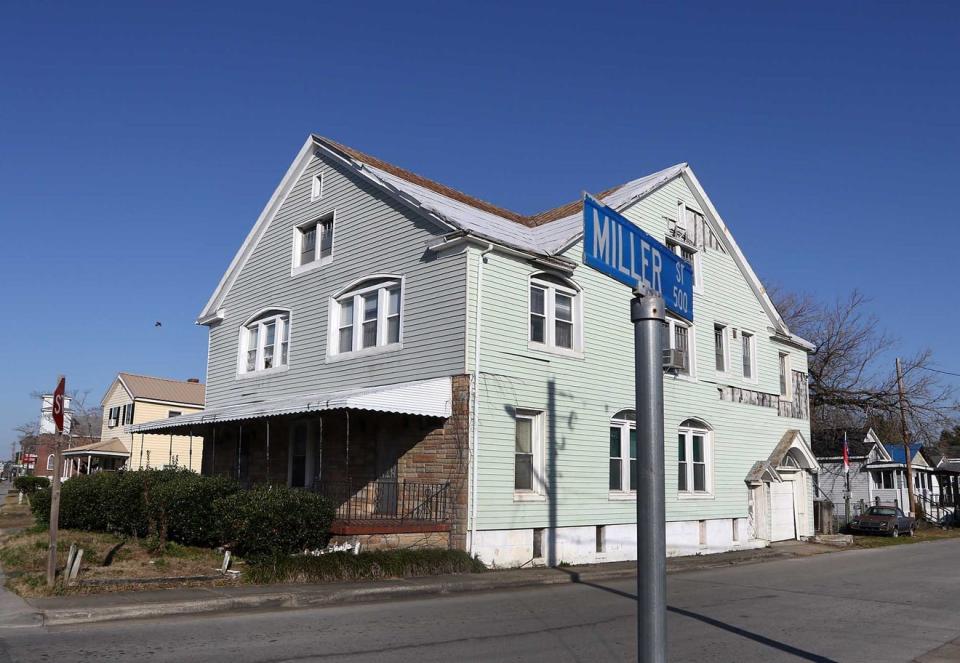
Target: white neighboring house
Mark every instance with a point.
(47, 427)
(878, 470)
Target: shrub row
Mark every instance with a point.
(29, 485)
(374, 565)
(181, 506)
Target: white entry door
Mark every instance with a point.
(781, 511)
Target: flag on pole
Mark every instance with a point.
(846, 454)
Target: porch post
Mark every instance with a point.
(239, 447)
(170, 454)
(89, 463)
(141, 452)
(213, 452)
(269, 473)
(190, 452)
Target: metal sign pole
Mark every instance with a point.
(647, 315)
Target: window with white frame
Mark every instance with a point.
(678, 335)
(528, 452)
(883, 479)
(265, 342)
(127, 416)
(785, 382)
(748, 352)
(313, 242)
(693, 458)
(555, 313)
(50, 462)
(623, 451)
(692, 256)
(720, 350)
(366, 317)
(113, 417)
(316, 187)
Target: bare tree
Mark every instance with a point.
(851, 370)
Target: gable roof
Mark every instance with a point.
(829, 443)
(547, 233)
(896, 451)
(162, 389)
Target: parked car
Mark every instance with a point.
(883, 519)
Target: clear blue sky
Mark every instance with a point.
(139, 141)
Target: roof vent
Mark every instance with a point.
(194, 380)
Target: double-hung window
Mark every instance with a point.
(785, 380)
(367, 317)
(693, 459)
(555, 314)
(265, 343)
(748, 351)
(883, 479)
(528, 453)
(113, 417)
(678, 335)
(721, 356)
(127, 416)
(313, 243)
(623, 452)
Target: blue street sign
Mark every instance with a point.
(612, 244)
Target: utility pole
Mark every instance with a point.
(906, 441)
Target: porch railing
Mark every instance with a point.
(388, 500)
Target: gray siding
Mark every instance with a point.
(372, 235)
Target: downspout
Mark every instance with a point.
(474, 411)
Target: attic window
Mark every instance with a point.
(313, 242)
(316, 187)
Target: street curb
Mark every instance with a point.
(320, 597)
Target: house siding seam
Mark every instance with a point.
(372, 235)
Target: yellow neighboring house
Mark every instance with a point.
(136, 399)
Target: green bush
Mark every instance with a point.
(182, 508)
(271, 522)
(344, 566)
(40, 506)
(29, 485)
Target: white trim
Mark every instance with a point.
(537, 449)
(381, 285)
(785, 371)
(625, 426)
(570, 289)
(708, 460)
(672, 322)
(296, 267)
(293, 174)
(316, 186)
(282, 318)
(725, 335)
(754, 377)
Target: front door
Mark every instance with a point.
(388, 454)
(782, 522)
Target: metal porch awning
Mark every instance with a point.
(426, 398)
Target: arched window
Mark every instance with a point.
(366, 316)
(265, 342)
(623, 451)
(694, 458)
(50, 462)
(556, 313)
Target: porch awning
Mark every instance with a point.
(426, 398)
(112, 447)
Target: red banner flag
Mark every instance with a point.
(58, 403)
(846, 453)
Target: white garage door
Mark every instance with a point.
(781, 511)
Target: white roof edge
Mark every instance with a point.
(428, 398)
(279, 195)
(123, 384)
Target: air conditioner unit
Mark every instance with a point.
(674, 359)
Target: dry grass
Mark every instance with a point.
(24, 559)
(923, 533)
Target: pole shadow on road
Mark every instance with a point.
(743, 633)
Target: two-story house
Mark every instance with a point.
(136, 399)
(449, 370)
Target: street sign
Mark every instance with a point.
(612, 244)
(58, 404)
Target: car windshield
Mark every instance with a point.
(882, 511)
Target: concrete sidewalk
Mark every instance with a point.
(78, 609)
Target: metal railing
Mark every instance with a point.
(388, 500)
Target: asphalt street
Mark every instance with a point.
(889, 604)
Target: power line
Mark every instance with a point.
(937, 370)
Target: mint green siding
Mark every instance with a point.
(580, 394)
